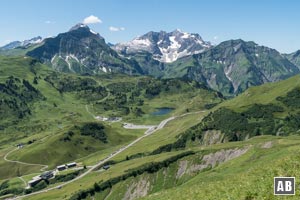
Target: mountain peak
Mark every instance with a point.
(79, 26)
(84, 27)
(177, 30)
(165, 47)
(24, 43)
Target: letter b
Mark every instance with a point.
(288, 186)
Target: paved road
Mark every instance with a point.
(133, 126)
(147, 133)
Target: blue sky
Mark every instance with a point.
(272, 23)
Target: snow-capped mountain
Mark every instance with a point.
(24, 43)
(165, 47)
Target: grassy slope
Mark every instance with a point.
(45, 118)
(18, 51)
(263, 94)
(247, 177)
(164, 136)
(54, 151)
(268, 109)
(8, 170)
(97, 176)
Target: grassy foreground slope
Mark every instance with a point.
(235, 170)
(248, 177)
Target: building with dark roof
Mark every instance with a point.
(61, 167)
(47, 175)
(33, 182)
(73, 164)
(106, 167)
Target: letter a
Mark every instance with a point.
(280, 186)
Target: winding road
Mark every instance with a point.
(88, 111)
(23, 163)
(25, 183)
(148, 132)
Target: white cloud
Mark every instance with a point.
(114, 29)
(92, 20)
(216, 37)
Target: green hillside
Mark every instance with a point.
(79, 141)
(249, 176)
(270, 109)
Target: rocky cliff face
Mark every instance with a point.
(294, 58)
(233, 66)
(80, 50)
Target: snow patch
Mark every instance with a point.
(174, 43)
(104, 69)
(36, 41)
(185, 35)
(197, 52)
(69, 64)
(52, 59)
(141, 42)
(200, 42)
(171, 53)
(93, 32)
(74, 57)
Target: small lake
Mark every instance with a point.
(162, 111)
